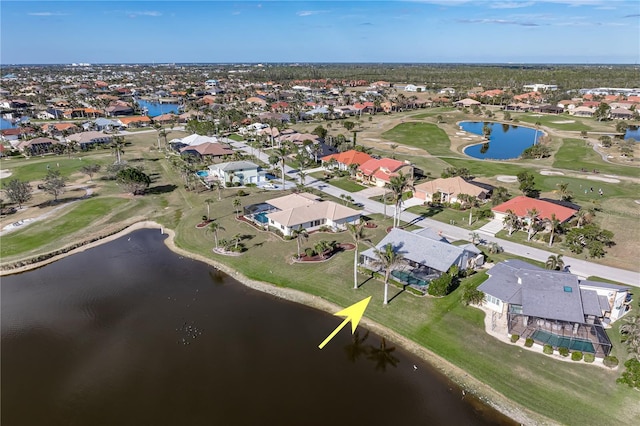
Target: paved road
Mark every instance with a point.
(576, 266)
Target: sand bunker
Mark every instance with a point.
(637, 201)
(550, 173)
(564, 121)
(604, 179)
(461, 133)
(507, 178)
(5, 174)
(467, 139)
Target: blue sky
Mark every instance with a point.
(460, 31)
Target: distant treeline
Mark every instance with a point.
(567, 77)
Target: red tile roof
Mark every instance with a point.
(521, 204)
(349, 157)
(388, 164)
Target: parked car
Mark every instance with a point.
(269, 185)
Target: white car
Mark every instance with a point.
(269, 185)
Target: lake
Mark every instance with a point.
(154, 109)
(633, 132)
(506, 142)
(130, 333)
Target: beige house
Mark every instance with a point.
(309, 212)
(450, 189)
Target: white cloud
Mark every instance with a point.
(510, 4)
(144, 13)
(47, 14)
(310, 12)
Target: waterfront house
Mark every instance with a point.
(427, 255)
(553, 307)
(309, 212)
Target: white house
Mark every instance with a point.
(309, 212)
(241, 172)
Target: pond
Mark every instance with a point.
(507, 141)
(154, 109)
(633, 132)
(130, 333)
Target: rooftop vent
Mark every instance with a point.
(567, 289)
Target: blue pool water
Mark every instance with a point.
(155, 109)
(202, 173)
(262, 217)
(556, 341)
(506, 141)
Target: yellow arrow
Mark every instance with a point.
(352, 313)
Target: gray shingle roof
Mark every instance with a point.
(437, 255)
(590, 303)
(551, 295)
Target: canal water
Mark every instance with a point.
(129, 333)
(154, 109)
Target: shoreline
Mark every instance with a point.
(481, 391)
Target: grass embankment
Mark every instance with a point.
(45, 235)
(557, 122)
(576, 154)
(444, 326)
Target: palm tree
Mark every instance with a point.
(71, 147)
(357, 233)
(553, 223)
(584, 216)
(555, 263)
(357, 348)
(217, 185)
(117, 148)
(236, 206)
(387, 258)
(630, 331)
(214, 227)
(279, 155)
(300, 235)
(383, 356)
(208, 202)
(532, 216)
(302, 175)
(399, 185)
(563, 190)
(511, 221)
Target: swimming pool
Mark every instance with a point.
(556, 341)
(409, 279)
(261, 217)
(202, 173)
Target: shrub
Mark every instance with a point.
(529, 342)
(515, 338)
(576, 356)
(610, 361)
(440, 286)
(241, 193)
(589, 357)
(631, 376)
(547, 349)
(455, 206)
(564, 351)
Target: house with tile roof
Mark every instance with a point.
(379, 172)
(554, 307)
(345, 160)
(427, 255)
(134, 121)
(309, 212)
(521, 205)
(449, 189)
(210, 150)
(88, 139)
(37, 146)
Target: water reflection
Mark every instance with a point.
(382, 355)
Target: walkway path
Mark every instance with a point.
(580, 267)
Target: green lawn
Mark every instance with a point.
(555, 121)
(575, 154)
(447, 215)
(35, 168)
(236, 137)
(37, 237)
(427, 136)
(346, 184)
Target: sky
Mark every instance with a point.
(406, 31)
